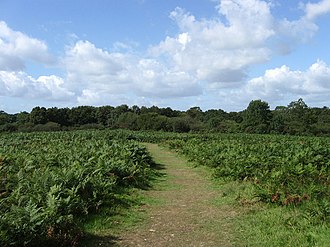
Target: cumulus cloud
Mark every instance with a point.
(220, 48)
(20, 84)
(96, 74)
(16, 48)
(205, 55)
(153, 79)
(292, 33)
(89, 66)
(302, 30)
(314, 10)
(282, 82)
(244, 34)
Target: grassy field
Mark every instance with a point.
(281, 183)
(59, 187)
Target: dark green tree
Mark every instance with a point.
(103, 115)
(22, 117)
(298, 120)
(5, 118)
(58, 115)
(257, 117)
(82, 115)
(195, 112)
(128, 120)
(38, 115)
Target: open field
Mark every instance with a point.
(258, 189)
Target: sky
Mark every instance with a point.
(215, 54)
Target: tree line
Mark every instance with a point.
(294, 119)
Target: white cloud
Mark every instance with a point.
(220, 50)
(205, 56)
(55, 86)
(20, 84)
(292, 33)
(95, 74)
(91, 67)
(250, 22)
(89, 97)
(16, 48)
(154, 79)
(283, 83)
(314, 10)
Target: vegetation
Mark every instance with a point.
(51, 181)
(295, 119)
(282, 171)
(285, 170)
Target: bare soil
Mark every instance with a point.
(185, 214)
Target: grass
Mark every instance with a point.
(275, 226)
(104, 226)
(251, 223)
(123, 214)
(260, 224)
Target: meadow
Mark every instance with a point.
(51, 182)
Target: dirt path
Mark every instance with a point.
(184, 214)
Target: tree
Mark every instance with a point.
(4, 118)
(103, 115)
(195, 112)
(82, 115)
(58, 115)
(278, 120)
(128, 120)
(257, 117)
(38, 115)
(168, 112)
(180, 124)
(298, 118)
(22, 117)
(298, 105)
(148, 121)
(135, 109)
(215, 114)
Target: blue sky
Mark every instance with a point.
(207, 53)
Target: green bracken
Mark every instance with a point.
(49, 181)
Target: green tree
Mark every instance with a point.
(168, 112)
(152, 121)
(298, 118)
(128, 120)
(38, 115)
(4, 118)
(82, 115)
(257, 117)
(135, 109)
(58, 115)
(103, 115)
(195, 112)
(22, 117)
(180, 124)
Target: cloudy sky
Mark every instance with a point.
(177, 53)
